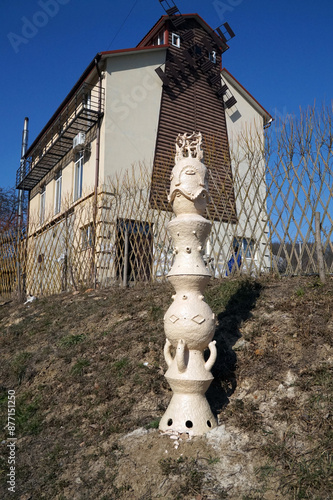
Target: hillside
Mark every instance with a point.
(87, 369)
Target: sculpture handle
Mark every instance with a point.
(167, 353)
(180, 356)
(213, 354)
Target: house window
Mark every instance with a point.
(212, 56)
(159, 38)
(87, 100)
(175, 40)
(57, 193)
(87, 106)
(78, 174)
(246, 246)
(87, 236)
(42, 205)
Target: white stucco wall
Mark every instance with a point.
(132, 105)
(245, 119)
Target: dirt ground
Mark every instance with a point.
(87, 370)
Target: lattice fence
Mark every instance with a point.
(123, 238)
(12, 261)
(299, 184)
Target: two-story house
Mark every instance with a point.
(126, 110)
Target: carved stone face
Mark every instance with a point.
(189, 177)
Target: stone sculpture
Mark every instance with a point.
(189, 322)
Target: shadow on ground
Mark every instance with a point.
(235, 312)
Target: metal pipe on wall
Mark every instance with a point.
(19, 208)
(22, 168)
(98, 138)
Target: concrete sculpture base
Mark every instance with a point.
(189, 322)
(188, 413)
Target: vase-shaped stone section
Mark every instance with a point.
(189, 322)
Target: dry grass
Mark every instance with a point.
(88, 368)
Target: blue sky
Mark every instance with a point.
(281, 53)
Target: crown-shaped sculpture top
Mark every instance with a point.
(189, 175)
(189, 146)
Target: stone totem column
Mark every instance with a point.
(189, 322)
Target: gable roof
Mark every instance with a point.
(163, 20)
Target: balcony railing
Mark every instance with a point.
(79, 115)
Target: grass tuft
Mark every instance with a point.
(19, 365)
(71, 340)
(80, 366)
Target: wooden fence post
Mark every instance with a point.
(319, 248)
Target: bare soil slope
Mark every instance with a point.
(87, 368)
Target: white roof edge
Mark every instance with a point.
(226, 75)
(134, 51)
